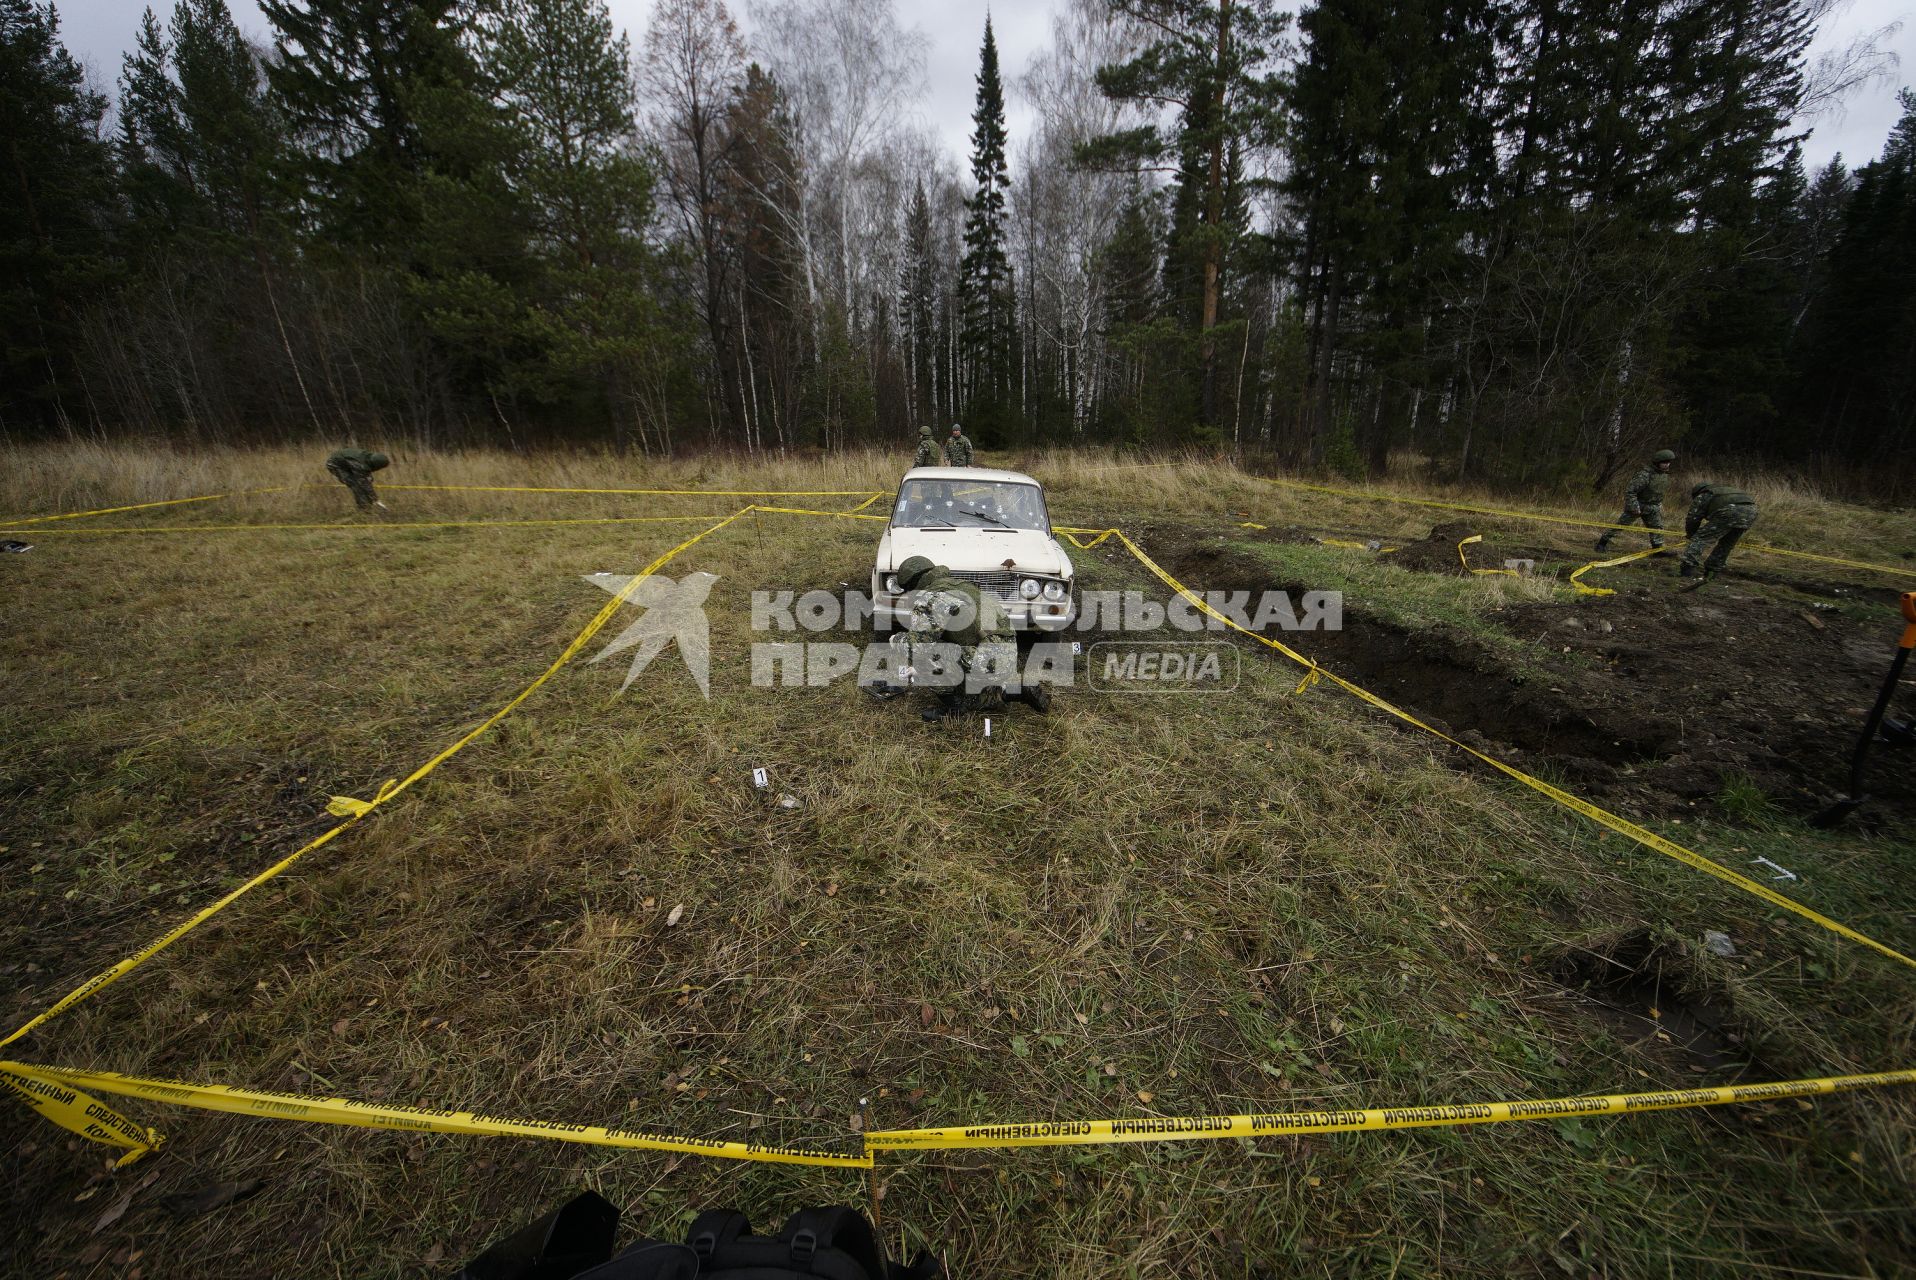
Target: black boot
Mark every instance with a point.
(1037, 697)
(1685, 571)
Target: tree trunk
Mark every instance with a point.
(1214, 220)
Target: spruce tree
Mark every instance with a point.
(989, 335)
(54, 220)
(1858, 395)
(918, 304)
(1390, 165)
(371, 89)
(152, 146)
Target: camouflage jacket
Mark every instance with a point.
(944, 608)
(958, 451)
(927, 454)
(364, 461)
(1723, 506)
(1646, 489)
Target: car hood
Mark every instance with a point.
(1032, 550)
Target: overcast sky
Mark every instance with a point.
(98, 31)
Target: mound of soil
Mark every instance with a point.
(1438, 553)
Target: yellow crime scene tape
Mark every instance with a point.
(138, 506)
(277, 1105)
(370, 526)
(1356, 546)
(355, 810)
(1465, 560)
(1622, 826)
(57, 1092)
(1576, 575)
(804, 511)
(1071, 1133)
(696, 493)
(79, 1113)
(1766, 548)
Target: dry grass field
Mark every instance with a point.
(1247, 900)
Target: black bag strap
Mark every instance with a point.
(810, 1232)
(714, 1229)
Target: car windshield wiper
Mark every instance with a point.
(983, 516)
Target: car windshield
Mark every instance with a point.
(957, 504)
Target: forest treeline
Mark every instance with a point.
(1527, 240)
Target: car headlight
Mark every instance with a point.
(1029, 588)
(1054, 590)
(891, 583)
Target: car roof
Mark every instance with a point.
(969, 473)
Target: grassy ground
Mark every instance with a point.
(1139, 906)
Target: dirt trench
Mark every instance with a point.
(1662, 697)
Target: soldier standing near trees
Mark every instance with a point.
(958, 448)
(927, 454)
(1643, 499)
(354, 468)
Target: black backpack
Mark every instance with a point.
(834, 1243)
(575, 1243)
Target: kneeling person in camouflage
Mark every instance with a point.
(354, 468)
(1718, 516)
(1643, 500)
(972, 624)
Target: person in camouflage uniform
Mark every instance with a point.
(1643, 499)
(1716, 523)
(958, 448)
(946, 610)
(354, 468)
(927, 454)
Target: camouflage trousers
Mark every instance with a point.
(360, 483)
(986, 670)
(1652, 518)
(1719, 537)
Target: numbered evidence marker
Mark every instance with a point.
(760, 780)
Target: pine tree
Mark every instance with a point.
(1215, 60)
(985, 285)
(533, 269)
(54, 220)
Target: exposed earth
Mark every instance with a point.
(1662, 695)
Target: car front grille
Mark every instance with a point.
(999, 583)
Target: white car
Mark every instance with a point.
(989, 528)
